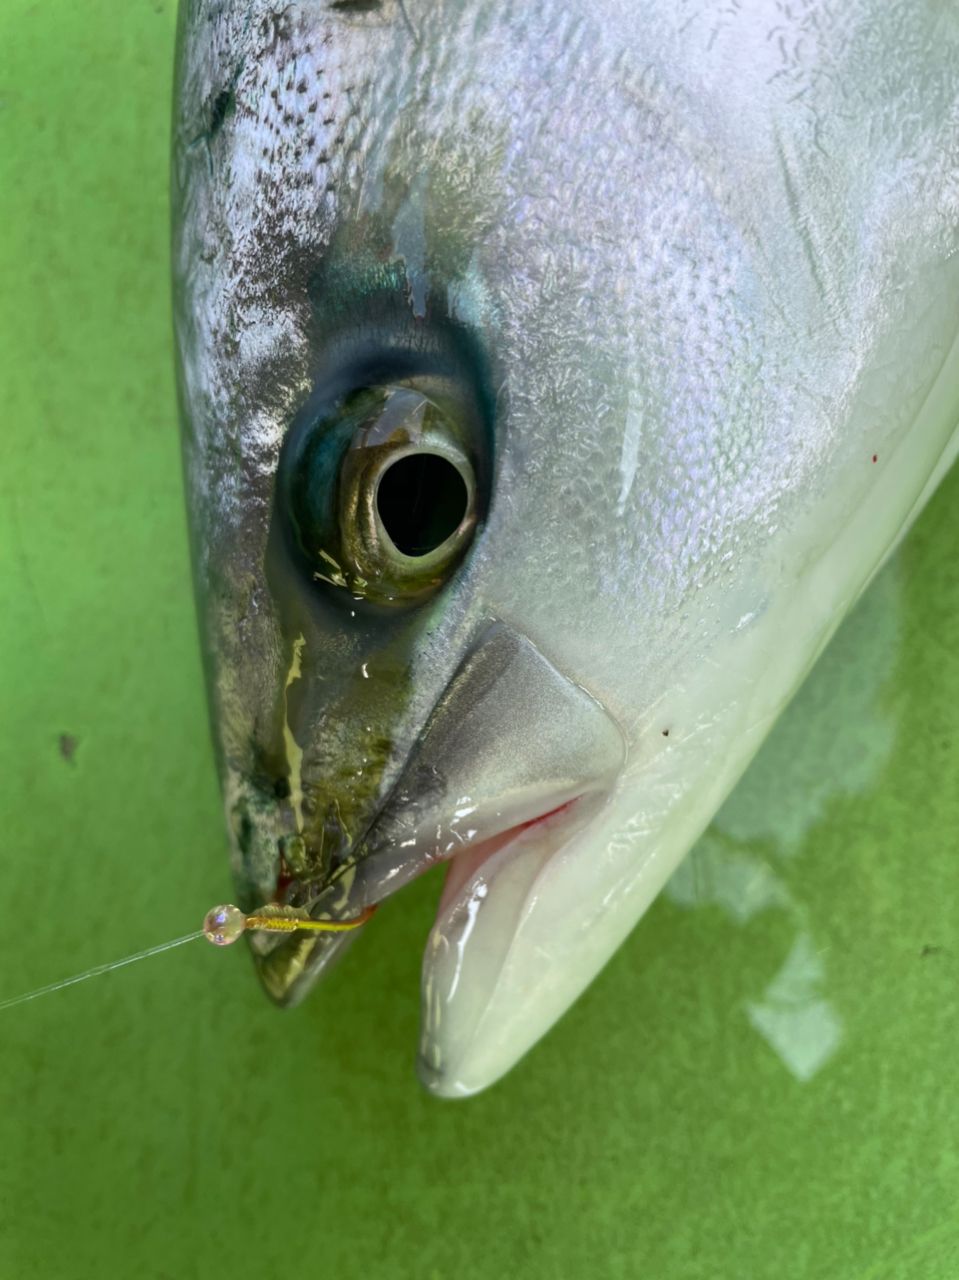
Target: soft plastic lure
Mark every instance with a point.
(222, 926)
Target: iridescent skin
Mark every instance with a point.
(704, 256)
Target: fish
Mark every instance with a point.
(554, 379)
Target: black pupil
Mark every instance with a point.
(421, 500)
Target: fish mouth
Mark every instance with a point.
(462, 863)
(514, 761)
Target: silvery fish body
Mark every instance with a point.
(554, 378)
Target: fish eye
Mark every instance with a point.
(422, 500)
(386, 504)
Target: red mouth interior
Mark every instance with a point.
(462, 867)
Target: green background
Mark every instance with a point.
(761, 1084)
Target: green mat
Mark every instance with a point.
(761, 1084)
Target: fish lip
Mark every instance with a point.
(292, 891)
(466, 958)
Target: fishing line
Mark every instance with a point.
(97, 970)
(221, 926)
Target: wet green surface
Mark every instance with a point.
(762, 1083)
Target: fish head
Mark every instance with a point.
(553, 382)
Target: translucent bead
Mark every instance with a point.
(223, 925)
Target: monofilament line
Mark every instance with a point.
(221, 926)
(97, 970)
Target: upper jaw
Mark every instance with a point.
(510, 741)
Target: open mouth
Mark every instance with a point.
(367, 884)
(474, 856)
(512, 766)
